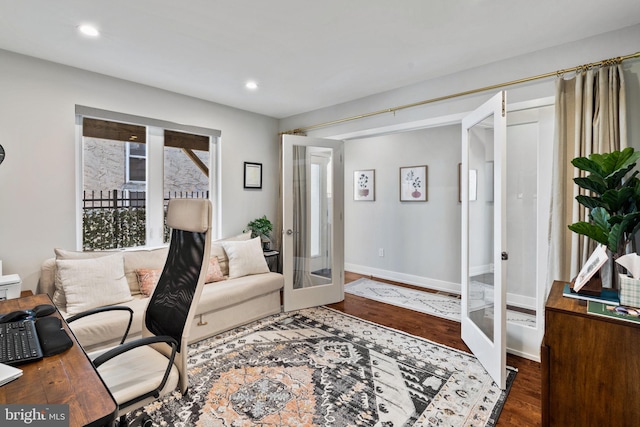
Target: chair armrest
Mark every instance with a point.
(103, 310)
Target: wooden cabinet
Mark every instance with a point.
(590, 366)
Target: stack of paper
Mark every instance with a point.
(8, 373)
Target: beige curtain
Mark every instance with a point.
(590, 118)
(301, 277)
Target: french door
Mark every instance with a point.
(484, 252)
(313, 222)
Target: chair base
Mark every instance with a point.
(142, 420)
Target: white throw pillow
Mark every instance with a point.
(93, 282)
(245, 257)
(218, 251)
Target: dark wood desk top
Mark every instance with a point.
(557, 302)
(66, 378)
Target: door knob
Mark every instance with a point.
(289, 232)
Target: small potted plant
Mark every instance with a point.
(613, 201)
(261, 227)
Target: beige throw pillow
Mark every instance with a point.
(245, 257)
(93, 282)
(58, 295)
(218, 251)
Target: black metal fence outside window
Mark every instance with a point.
(117, 219)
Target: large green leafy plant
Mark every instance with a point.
(613, 201)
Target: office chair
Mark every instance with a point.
(140, 371)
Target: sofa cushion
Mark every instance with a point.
(148, 277)
(232, 292)
(245, 257)
(142, 258)
(102, 329)
(93, 282)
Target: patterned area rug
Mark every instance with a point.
(427, 302)
(320, 367)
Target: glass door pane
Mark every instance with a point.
(312, 216)
(481, 218)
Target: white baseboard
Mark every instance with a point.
(435, 284)
(409, 279)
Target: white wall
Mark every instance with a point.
(420, 240)
(386, 224)
(38, 176)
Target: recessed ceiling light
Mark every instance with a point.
(89, 30)
(251, 85)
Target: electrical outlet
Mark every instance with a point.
(381, 252)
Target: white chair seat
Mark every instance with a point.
(137, 372)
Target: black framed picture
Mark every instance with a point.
(253, 175)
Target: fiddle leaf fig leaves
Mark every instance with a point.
(613, 201)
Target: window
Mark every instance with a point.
(129, 169)
(136, 162)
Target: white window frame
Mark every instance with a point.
(154, 171)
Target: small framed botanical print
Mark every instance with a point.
(413, 184)
(364, 185)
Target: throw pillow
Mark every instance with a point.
(218, 250)
(245, 257)
(58, 295)
(147, 279)
(214, 273)
(93, 282)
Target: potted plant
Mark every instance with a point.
(613, 201)
(261, 227)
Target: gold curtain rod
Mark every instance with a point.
(602, 63)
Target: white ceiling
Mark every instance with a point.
(304, 54)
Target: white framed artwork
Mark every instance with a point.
(364, 185)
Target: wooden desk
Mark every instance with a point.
(66, 378)
(590, 366)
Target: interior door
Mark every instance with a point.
(313, 222)
(484, 235)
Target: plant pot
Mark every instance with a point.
(416, 194)
(610, 273)
(364, 192)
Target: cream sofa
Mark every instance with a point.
(238, 299)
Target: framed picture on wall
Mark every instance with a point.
(364, 185)
(413, 183)
(252, 175)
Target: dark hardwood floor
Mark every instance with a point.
(523, 404)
